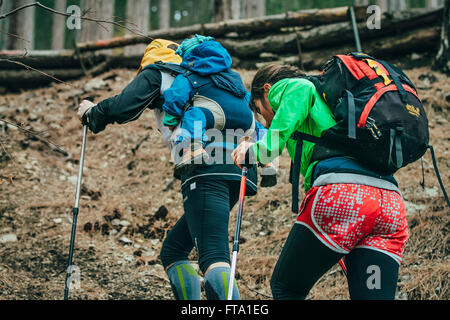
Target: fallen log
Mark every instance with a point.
(273, 23)
(46, 59)
(120, 61)
(331, 35)
(417, 41)
(26, 77)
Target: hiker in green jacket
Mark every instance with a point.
(348, 211)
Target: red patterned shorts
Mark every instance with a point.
(349, 216)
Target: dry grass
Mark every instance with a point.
(117, 183)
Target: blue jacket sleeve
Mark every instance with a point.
(260, 131)
(177, 96)
(248, 96)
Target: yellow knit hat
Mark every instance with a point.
(160, 50)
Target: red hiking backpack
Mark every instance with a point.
(380, 118)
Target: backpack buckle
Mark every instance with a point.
(379, 71)
(373, 128)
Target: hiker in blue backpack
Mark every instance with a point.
(209, 190)
(206, 96)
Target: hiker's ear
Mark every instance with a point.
(267, 87)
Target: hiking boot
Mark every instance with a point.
(268, 176)
(193, 155)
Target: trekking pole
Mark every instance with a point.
(238, 231)
(75, 215)
(355, 29)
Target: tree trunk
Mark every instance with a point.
(432, 3)
(59, 26)
(105, 11)
(89, 29)
(254, 8)
(4, 25)
(396, 5)
(164, 14)
(235, 9)
(21, 27)
(383, 4)
(98, 9)
(138, 13)
(221, 10)
(442, 61)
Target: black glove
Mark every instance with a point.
(268, 176)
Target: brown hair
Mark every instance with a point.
(271, 73)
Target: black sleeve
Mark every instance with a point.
(143, 92)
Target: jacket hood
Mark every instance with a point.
(231, 82)
(207, 58)
(160, 50)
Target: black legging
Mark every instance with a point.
(207, 205)
(371, 275)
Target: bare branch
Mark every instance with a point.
(39, 71)
(256, 291)
(83, 17)
(38, 135)
(14, 35)
(7, 153)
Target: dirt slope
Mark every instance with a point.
(130, 201)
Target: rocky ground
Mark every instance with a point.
(129, 201)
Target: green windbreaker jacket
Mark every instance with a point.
(298, 107)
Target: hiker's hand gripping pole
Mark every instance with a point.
(242, 154)
(75, 215)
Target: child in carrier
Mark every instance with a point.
(207, 96)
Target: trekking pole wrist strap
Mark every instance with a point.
(85, 117)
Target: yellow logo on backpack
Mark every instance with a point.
(413, 111)
(160, 50)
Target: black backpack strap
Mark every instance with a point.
(351, 115)
(294, 176)
(167, 67)
(441, 184)
(295, 169)
(395, 146)
(396, 79)
(392, 73)
(195, 80)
